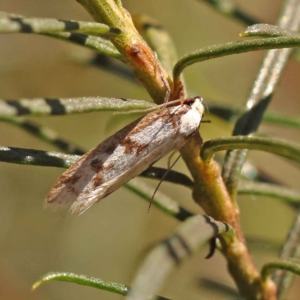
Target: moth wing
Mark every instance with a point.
(123, 156)
(77, 184)
(91, 196)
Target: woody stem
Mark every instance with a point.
(211, 194)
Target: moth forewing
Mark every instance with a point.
(125, 155)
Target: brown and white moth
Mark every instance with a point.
(126, 154)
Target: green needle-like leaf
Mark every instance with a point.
(266, 30)
(162, 201)
(39, 25)
(186, 240)
(280, 147)
(66, 106)
(216, 51)
(271, 117)
(269, 190)
(83, 280)
(36, 157)
(230, 9)
(287, 264)
(96, 43)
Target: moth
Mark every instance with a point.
(126, 154)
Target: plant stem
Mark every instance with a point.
(211, 194)
(133, 48)
(158, 39)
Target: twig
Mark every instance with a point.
(158, 39)
(133, 48)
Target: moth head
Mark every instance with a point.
(198, 105)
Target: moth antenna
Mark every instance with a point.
(206, 107)
(169, 159)
(161, 180)
(147, 110)
(205, 121)
(137, 111)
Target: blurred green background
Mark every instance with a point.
(110, 240)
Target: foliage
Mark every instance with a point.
(148, 51)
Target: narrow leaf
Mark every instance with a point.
(287, 264)
(270, 190)
(36, 157)
(272, 117)
(266, 30)
(100, 284)
(46, 134)
(98, 44)
(162, 201)
(188, 239)
(65, 106)
(97, 283)
(231, 10)
(44, 25)
(290, 249)
(217, 51)
(260, 96)
(276, 146)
